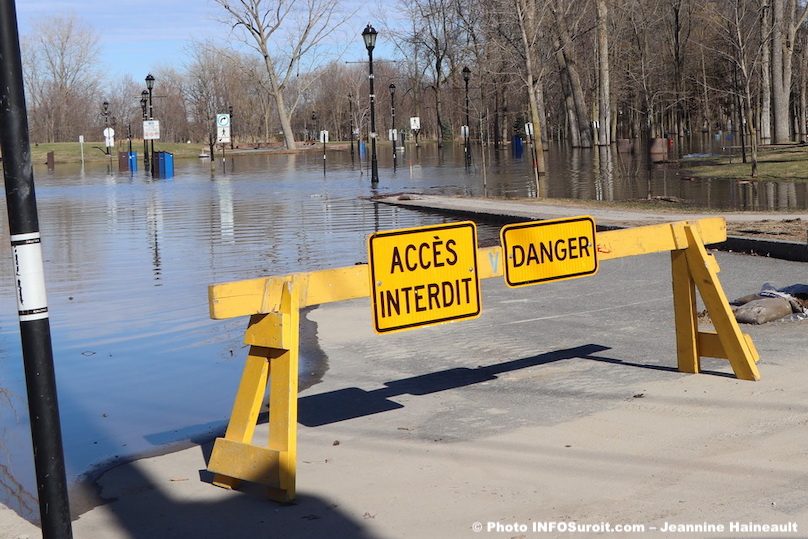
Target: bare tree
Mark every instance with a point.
(785, 22)
(61, 78)
(604, 96)
(267, 23)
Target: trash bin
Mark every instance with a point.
(161, 164)
(168, 171)
(516, 147)
(123, 161)
(132, 161)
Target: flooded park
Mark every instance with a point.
(142, 369)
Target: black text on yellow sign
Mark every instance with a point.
(552, 250)
(423, 276)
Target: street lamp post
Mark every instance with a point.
(466, 75)
(350, 123)
(393, 112)
(149, 87)
(144, 100)
(232, 135)
(105, 114)
(369, 35)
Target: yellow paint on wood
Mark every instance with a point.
(246, 462)
(248, 297)
(684, 313)
(710, 345)
(270, 330)
(712, 293)
(283, 394)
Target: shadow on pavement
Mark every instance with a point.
(353, 402)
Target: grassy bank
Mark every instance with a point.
(70, 152)
(774, 163)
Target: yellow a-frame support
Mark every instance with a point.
(274, 303)
(272, 358)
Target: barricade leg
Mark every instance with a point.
(736, 346)
(694, 268)
(685, 315)
(273, 358)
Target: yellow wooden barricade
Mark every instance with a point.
(274, 303)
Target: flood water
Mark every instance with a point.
(141, 367)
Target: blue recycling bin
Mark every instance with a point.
(168, 171)
(132, 161)
(161, 164)
(362, 150)
(516, 147)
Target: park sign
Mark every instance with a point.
(553, 250)
(423, 276)
(151, 130)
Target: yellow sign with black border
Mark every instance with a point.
(423, 276)
(552, 250)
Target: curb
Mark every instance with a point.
(779, 249)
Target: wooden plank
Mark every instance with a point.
(248, 297)
(684, 313)
(654, 238)
(283, 398)
(246, 406)
(710, 345)
(246, 462)
(712, 293)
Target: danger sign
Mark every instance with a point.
(423, 276)
(552, 250)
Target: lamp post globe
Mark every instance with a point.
(369, 36)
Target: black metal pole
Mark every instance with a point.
(468, 126)
(37, 350)
(151, 117)
(393, 113)
(232, 131)
(350, 123)
(374, 166)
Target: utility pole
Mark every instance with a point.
(32, 303)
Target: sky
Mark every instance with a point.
(138, 37)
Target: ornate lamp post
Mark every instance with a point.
(105, 114)
(466, 75)
(144, 101)
(350, 123)
(149, 87)
(393, 112)
(369, 35)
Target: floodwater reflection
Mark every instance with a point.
(128, 259)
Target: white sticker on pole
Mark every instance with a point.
(26, 252)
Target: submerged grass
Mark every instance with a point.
(774, 163)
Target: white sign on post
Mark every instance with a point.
(415, 123)
(392, 134)
(529, 129)
(109, 137)
(464, 130)
(323, 136)
(151, 130)
(222, 134)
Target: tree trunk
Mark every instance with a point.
(525, 20)
(779, 101)
(581, 110)
(569, 101)
(765, 75)
(277, 93)
(604, 105)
